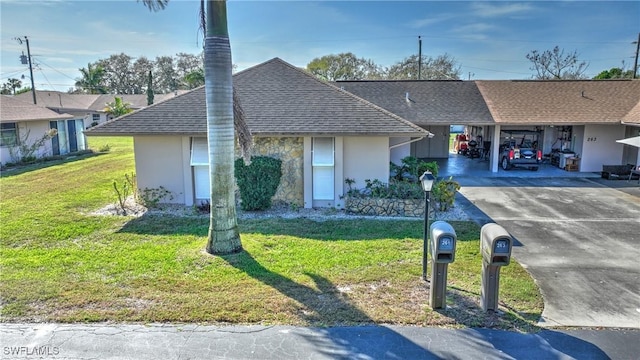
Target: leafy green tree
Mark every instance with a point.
(194, 79)
(442, 67)
(118, 107)
(224, 237)
(556, 65)
(92, 80)
(345, 66)
(150, 94)
(9, 88)
(140, 75)
(14, 84)
(24, 90)
(614, 73)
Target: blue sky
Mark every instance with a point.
(489, 39)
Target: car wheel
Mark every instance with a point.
(534, 168)
(505, 164)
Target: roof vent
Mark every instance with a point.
(407, 97)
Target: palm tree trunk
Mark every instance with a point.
(224, 237)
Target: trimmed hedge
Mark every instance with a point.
(258, 181)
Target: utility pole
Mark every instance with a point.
(23, 59)
(635, 65)
(419, 57)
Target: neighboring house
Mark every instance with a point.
(432, 105)
(584, 117)
(322, 134)
(21, 121)
(89, 108)
(579, 117)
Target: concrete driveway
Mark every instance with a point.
(578, 237)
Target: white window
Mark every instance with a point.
(8, 134)
(200, 163)
(322, 161)
(199, 152)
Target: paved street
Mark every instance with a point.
(579, 239)
(156, 341)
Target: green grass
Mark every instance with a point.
(59, 263)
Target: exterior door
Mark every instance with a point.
(73, 140)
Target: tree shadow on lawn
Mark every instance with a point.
(48, 162)
(327, 230)
(325, 306)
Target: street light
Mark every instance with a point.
(426, 180)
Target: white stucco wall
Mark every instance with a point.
(599, 147)
(400, 152)
(366, 158)
(163, 161)
(35, 131)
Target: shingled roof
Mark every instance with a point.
(562, 101)
(425, 102)
(13, 109)
(278, 99)
(61, 101)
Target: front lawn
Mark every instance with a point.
(59, 263)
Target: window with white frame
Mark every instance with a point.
(200, 163)
(322, 161)
(8, 134)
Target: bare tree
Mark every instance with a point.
(556, 65)
(345, 66)
(443, 67)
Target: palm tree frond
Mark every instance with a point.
(245, 139)
(155, 5)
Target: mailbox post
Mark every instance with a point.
(443, 252)
(495, 247)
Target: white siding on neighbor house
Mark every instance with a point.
(160, 161)
(599, 147)
(36, 130)
(366, 158)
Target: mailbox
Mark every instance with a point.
(495, 245)
(443, 252)
(443, 242)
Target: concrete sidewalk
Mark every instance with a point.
(109, 341)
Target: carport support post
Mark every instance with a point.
(490, 287)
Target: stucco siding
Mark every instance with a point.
(599, 147)
(35, 130)
(365, 158)
(400, 152)
(160, 162)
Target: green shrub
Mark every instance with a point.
(258, 181)
(151, 197)
(444, 193)
(394, 190)
(412, 168)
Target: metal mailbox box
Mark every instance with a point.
(495, 245)
(443, 242)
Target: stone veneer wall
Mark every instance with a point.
(290, 150)
(385, 207)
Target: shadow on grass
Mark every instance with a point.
(47, 162)
(328, 230)
(323, 306)
(464, 307)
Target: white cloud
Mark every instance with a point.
(486, 9)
